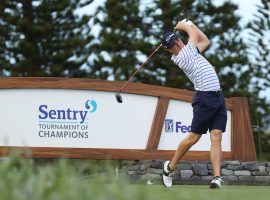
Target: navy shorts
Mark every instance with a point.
(209, 112)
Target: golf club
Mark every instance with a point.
(117, 95)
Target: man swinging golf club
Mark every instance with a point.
(209, 110)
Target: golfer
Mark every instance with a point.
(209, 110)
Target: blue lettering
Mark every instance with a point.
(62, 114)
(182, 128)
(177, 126)
(41, 109)
(75, 114)
(68, 113)
(83, 115)
(52, 114)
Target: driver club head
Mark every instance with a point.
(118, 97)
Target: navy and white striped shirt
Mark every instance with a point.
(197, 68)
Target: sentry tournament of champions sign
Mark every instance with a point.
(65, 122)
(81, 118)
(74, 118)
(87, 119)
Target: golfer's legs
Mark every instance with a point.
(183, 147)
(216, 150)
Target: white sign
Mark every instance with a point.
(74, 119)
(177, 126)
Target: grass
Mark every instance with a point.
(26, 179)
(202, 192)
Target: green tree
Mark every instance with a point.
(45, 38)
(259, 53)
(119, 41)
(132, 29)
(4, 32)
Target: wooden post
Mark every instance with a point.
(243, 144)
(157, 125)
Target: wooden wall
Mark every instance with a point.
(243, 147)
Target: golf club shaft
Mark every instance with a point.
(140, 68)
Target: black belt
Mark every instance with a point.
(209, 92)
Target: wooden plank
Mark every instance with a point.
(157, 125)
(233, 132)
(241, 129)
(249, 151)
(236, 117)
(243, 144)
(81, 153)
(98, 85)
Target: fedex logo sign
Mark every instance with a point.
(178, 127)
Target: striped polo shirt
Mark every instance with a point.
(201, 73)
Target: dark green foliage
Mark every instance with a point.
(44, 38)
(143, 34)
(259, 52)
(120, 32)
(4, 34)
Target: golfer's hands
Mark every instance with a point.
(195, 35)
(183, 25)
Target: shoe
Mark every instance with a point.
(166, 176)
(216, 183)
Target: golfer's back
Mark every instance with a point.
(197, 68)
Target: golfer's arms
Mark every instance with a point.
(196, 36)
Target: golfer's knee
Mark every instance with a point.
(193, 138)
(216, 136)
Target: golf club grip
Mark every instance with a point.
(140, 68)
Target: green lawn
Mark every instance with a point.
(198, 192)
(25, 179)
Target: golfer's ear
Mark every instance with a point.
(169, 50)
